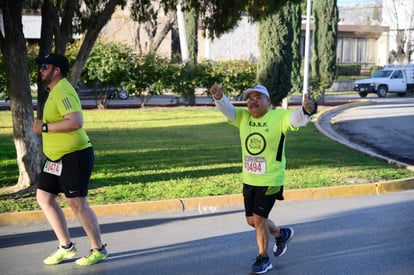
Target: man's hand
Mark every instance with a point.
(217, 90)
(309, 106)
(37, 126)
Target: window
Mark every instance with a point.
(397, 75)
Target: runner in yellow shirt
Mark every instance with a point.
(262, 137)
(69, 163)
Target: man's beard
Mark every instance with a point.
(48, 79)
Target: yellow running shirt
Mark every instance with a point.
(263, 146)
(62, 100)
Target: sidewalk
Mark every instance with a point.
(212, 204)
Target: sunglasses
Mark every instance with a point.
(44, 67)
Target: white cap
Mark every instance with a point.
(257, 88)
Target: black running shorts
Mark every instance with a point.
(74, 179)
(260, 199)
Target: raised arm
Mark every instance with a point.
(301, 116)
(222, 102)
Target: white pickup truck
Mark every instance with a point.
(392, 79)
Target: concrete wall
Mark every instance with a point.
(241, 43)
(357, 22)
(341, 86)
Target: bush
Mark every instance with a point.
(238, 74)
(115, 64)
(349, 69)
(146, 76)
(184, 78)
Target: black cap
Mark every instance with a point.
(55, 59)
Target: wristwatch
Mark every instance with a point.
(44, 128)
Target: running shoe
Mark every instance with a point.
(60, 255)
(96, 255)
(286, 234)
(261, 265)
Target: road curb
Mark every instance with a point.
(205, 205)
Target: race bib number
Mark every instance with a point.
(52, 167)
(255, 165)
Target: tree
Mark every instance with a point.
(54, 32)
(399, 14)
(13, 47)
(219, 17)
(147, 14)
(97, 17)
(296, 76)
(276, 36)
(14, 51)
(324, 42)
(191, 19)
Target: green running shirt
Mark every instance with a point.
(62, 100)
(263, 146)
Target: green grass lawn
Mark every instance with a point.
(165, 153)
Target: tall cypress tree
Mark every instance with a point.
(191, 20)
(324, 42)
(296, 77)
(275, 51)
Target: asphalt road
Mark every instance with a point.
(382, 127)
(352, 235)
(355, 235)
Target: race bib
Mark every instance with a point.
(255, 165)
(52, 167)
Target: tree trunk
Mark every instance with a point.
(45, 47)
(156, 33)
(168, 25)
(138, 46)
(90, 37)
(64, 29)
(13, 47)
(53, 29)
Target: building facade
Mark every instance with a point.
(362, 39)
(366, 33)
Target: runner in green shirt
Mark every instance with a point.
(262, 137)
(69, 163)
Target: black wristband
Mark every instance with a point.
(45, 129)
(315, 109)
